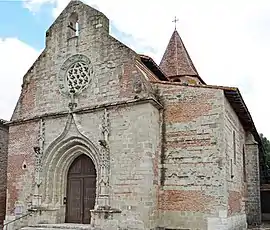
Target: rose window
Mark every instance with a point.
(77, 77)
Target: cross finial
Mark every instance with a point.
(175, 21)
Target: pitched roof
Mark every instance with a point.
(153, 67)
(176, 60)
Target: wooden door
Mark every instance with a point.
(81, 190)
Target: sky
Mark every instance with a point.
(227, 40)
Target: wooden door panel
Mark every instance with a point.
(88, 167)
(81, 190)
(76, 168)
(89, 197)
(74, 208)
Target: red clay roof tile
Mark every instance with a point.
(176, 60)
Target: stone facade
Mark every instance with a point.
(203, 161)
(167, 155)
(253, 202)
(3, 169)
(193, 175)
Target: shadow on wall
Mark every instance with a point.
(265, 205)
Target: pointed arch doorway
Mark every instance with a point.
(81, 190)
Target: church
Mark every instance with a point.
(104, 138)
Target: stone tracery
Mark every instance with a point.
(77, 77)
(75, 74)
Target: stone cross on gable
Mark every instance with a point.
(175, 21)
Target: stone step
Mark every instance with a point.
(59, 227)
(38, 228)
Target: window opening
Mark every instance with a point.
(234, 147)
(73, 25)
(77, 28)
(244, 165)
(232, 176)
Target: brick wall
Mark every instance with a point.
(21, 159)
(3, 169)
(197, 170)
(135, 150)
(235, 175)
(235, 143)
(192, 167)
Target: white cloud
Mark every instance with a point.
(15, 58)
(34, 5)
(228, 40)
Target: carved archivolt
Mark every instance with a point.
(59, 156)
(61, 153)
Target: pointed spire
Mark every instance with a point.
(176, 60)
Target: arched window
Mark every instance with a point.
(73, 25)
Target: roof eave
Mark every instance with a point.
(153, 67)
(237, 102)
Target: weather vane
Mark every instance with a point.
(175, 21)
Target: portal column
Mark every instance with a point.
(39, 150)
(103, 216)
(103, 184)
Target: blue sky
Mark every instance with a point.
(17, 21)
(30, 27)
(227, 40)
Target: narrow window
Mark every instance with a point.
(73, 25)
(244, 165)
(234, 147)
(232, 176)
(77, 29)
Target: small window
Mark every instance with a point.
(234, 147)
(232, 176)
(244, 165)
(77, 29)
(73, 25)
(177, 80)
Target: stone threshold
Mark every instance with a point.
(263, 226)
(63, 226)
